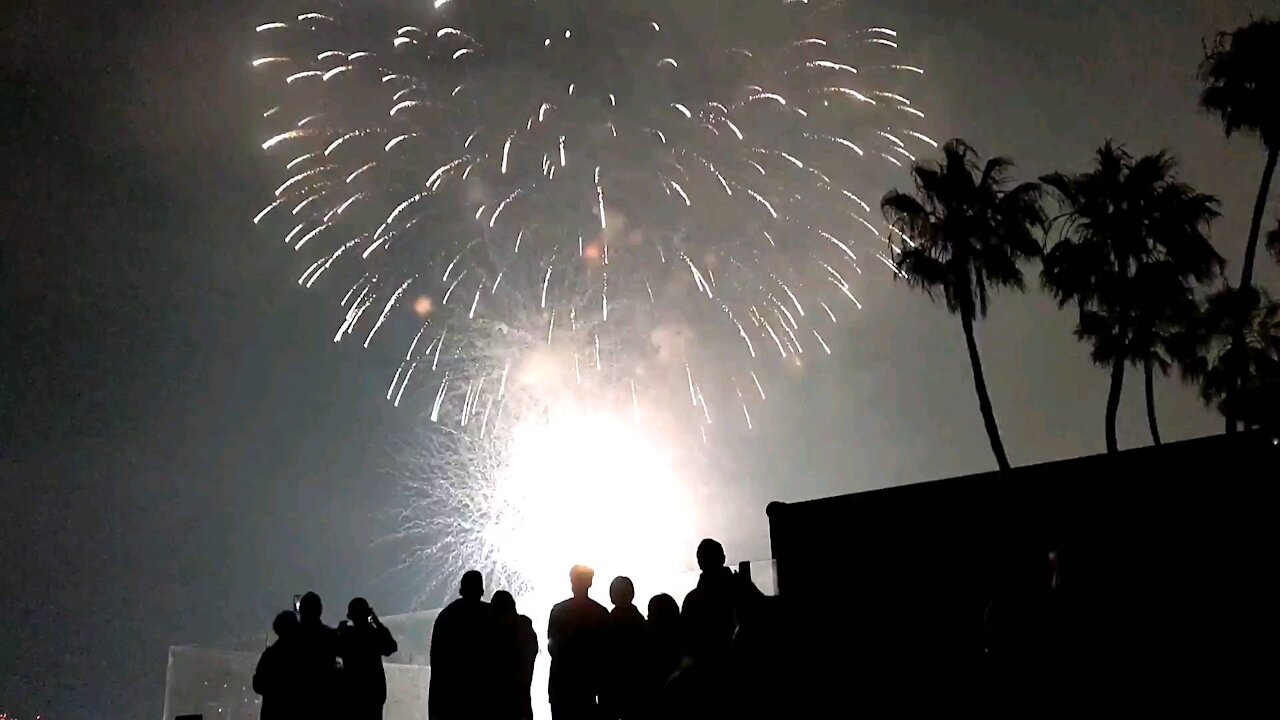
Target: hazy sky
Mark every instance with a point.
(182, 447)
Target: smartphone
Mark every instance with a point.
(297, 603)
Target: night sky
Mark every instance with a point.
(182, 447)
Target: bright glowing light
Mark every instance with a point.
(592, 488)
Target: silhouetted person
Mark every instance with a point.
(708, 613)
(666, 656)
(624, 653)
(664, 641)
(461, 654)
(516, 651)
(317, 658)
(362, 643)
(709, 619)
(573, 639)
(276, 677)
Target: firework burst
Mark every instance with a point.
(568, 220)
(680, 194)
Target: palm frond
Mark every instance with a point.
(996, 172)
(970, 228)
(924, 271)
(1235, 346)
(1132, 245)
(1241, 77)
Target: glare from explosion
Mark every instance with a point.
(567, 478)
(591, 488)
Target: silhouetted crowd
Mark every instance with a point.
(605, 664)
(316, 671)
(675, 661)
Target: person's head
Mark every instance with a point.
(310, 608)
(621, 591)
(710, 555)
(358, 611)
(285, 623)
(663, 611)
(580, 579)
(503, 603)
(472, 587)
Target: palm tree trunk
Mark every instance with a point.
(984, 400)
(1259, 209)
(1113, 403)
(1151, 402)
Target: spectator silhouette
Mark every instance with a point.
(516, 651)
(709, 620)
(666, 657)
(664, 641)
(573, 639)
(708, 613)
(461, 654)
(276, 678)
(317, 658)
(624, 654)
(362, 643)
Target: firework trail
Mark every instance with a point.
(660, 182)
(446, 512)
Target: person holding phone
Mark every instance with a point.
(362, 643)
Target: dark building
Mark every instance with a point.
(1142, 580)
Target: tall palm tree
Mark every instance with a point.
(1132, 245)
(966, 229)
(1241, 76)
(1232, 373)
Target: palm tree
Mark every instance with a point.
(1164, 310)
(1132, 245)
(1234, 373)
(1241, 74)
(966, 230)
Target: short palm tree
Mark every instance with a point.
(1164, 310)
(966, 230)
(1236, 355)
(1241, 76)
(1132, 245)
